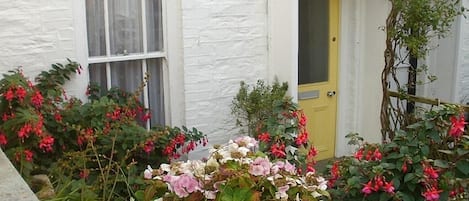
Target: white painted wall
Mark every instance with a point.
(462, 62)
(225, 42)
(35, 34)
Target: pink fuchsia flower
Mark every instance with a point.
(359, 154)
(432, 194)
(457, 126)
(377, 155)
(46, 143)
(302, 120)
(3, 139)
(368, 188)
(388, 187)
(430, 172)
(260, 167)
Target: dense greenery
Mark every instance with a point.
(91, 150)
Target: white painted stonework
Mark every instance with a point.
(213, 45)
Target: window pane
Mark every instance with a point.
(125, 27)
(127, 75)
(95, 27)
(154, 25)
(155, 92)
(98, 76)
(313, 41)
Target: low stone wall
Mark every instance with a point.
(12, 185)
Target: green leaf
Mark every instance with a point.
(408, 177)
(446, 152)
(441, 163)
(463, 166)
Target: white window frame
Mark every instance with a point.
(171, 56)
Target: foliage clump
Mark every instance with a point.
(90, 150)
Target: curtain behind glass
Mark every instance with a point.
(127, 75)
(125, 27)
(98, 76)
(155, 92)
(154, 25)
(95, 27)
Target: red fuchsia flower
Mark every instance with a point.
(368, 188)
(149, 146)
(432, 194)
(20, 93)
(404, 167)
(24, 131)
(146, 117)
(28, 155)
(9, 95)
(303, 120)
(58, 117)
(3, 139)
(457, 126)
(46, 143)
(37, 99)
(335, 174)
(312, 152)
(377, 155)
(180, 139)
(302, 138)
(264, 137)
(278, 150)
(84, 173)
(430, 172)
(359, 154)
(388, 187)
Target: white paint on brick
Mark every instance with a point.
(225, 42)
(36, 34)
(462, 70)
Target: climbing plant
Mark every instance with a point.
(410, 28)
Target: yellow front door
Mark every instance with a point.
(317, 71)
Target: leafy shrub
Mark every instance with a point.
(427, 161)
(276, 122)
(92, 150)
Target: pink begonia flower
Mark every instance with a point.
(246, 141)
(182, 185)
(282, 192)
(211, 195)
(289, 167)
(260, 167)
(148, 173)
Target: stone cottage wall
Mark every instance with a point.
(225, 42)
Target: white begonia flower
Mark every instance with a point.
(148, 173)
(315, 194)
(159, 199)
(165, 167)
(244, 151)
(212, 162)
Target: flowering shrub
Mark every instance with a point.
(427, 161)
(276, 122)
(233, 172)
(95, 149)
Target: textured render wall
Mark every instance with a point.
(35, 34)
(462, 84)
(225, 42)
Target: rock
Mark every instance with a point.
(42, 186)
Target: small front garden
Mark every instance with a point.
(100, 150)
